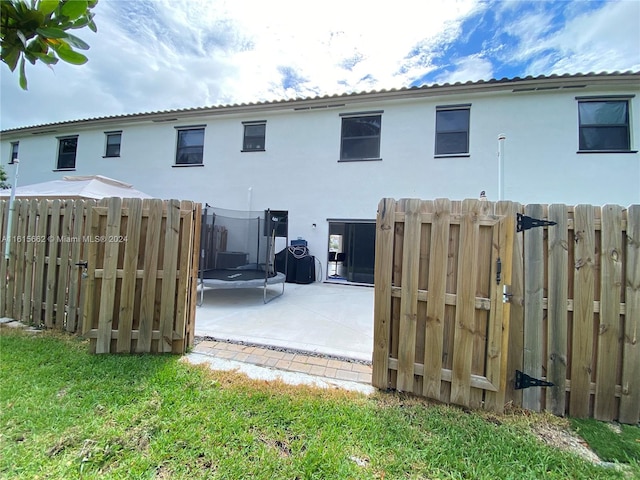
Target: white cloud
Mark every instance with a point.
(604, 40)
(471, 68)
(151, 55)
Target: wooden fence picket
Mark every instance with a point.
(27, 309)
(609, 340)
(557, 330)
(40, 260)
(129, 280)
(169, 271)
(533, 295)
(436, 305)
(465, 303)
(583, 298)
(385, 231)
(630, 391)
(52, 265)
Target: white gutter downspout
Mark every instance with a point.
(501, 138)
(12, 198)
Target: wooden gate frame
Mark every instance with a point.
(409, 215)
(142, 318)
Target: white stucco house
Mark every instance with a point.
(329, 160)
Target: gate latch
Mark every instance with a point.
(84, 264)
(525, 381)
(527, 223)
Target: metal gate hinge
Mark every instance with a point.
(525, 381)
(527, 223)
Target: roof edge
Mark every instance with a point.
(335, 100)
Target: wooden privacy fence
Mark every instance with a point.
(443, 331)
(121, 272)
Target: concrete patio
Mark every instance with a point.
(324, 318)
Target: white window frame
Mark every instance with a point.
(451, 108)
(13, 155)
(357, 115)
(626, 99)
(75, 153)
(107, 136)
(246, 147)
(179, 131)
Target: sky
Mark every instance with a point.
(155, 55)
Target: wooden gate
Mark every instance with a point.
(441, 326)
(141, 275)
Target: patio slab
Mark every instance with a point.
(323, 318)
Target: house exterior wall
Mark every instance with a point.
(300, 171)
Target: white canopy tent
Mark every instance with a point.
(93, 186)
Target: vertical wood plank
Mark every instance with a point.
(63, 272)
(516, 311)
(611, 257)
(75, 271)
(20, 241)
(533, 312)
(484, 283)
(4, 211)
(40, 271)
(409, 294)
(169, 272)
(149, 281)
(465, 303)
(584, 284)
(434, 336)
(383, 269)
(127, 300)
(196, 222)
(558, 290)
(90, 298)
(184, 296)
(110, 266)
(630, 399)
(498, 338)
(52, 263)
(27, 308)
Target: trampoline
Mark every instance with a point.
(238, 250)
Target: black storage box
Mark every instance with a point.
(298, 270)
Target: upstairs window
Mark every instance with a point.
(360, 139)
(254, 136)
(452, 130)
(190, 149)
(14, 152)
(113, 140)
(67, 147)
(603, 125)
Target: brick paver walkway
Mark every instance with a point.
(293, 362)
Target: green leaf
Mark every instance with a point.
(74, 8)
(68, 55)
(77, 42)
(21, 37)
(11, 55)
(48, 58)
(47, 7)
(81, 22)
(23, 76)
(50, 32)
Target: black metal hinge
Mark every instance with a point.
(525, 381)
(527, 223)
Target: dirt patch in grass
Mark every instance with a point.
(564, 439)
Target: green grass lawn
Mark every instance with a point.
(66, 414)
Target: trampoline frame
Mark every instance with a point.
(262, 280)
